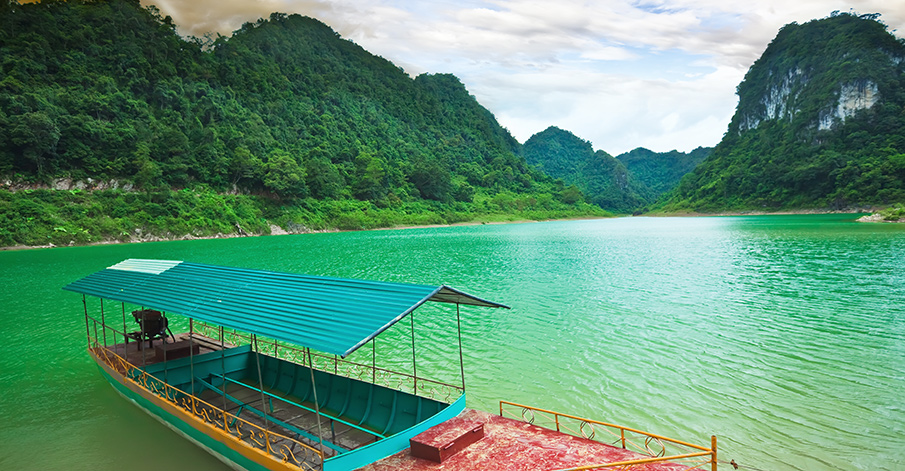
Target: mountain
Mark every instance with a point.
(285, 107)
(661, 171)
(602, 178)
(113, 125)
(819, 124)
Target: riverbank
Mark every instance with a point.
(52, 218)
(861, 210)
(277, 231)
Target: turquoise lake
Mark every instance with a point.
(784, 336)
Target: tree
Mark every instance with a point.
(36, 135)
(284, 176)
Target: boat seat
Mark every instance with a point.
(153, 325)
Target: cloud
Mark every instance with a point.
(621, 73)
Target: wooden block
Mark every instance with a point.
(444, 440)
(175, 350)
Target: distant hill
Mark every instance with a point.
(661, 171)
(602, 178)
(819, 124)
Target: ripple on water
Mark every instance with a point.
(784, 336)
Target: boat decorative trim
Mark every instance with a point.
(654, 446)
(281, 448)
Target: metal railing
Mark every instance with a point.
(405, 382)
(277, 446)
(651, 445)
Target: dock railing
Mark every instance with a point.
(405, 382)
(654, 447)
(278, 446)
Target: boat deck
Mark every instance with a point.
(143, 353)
(512, 445)
(284, 416)
(507, 445)
(267, 408)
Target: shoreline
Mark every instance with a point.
(790, 212)
(279, 231)
(870, 216)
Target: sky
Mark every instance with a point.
(659, 74)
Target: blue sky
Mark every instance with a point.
(622, 74)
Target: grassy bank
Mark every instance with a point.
(62, 217)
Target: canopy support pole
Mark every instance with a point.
(317, 407)
(125, 338)
(192, 357)
(87, 327)
(223, 368)
(254, 339)
(141, 344)
(103, 323)
(461, 361)
(414, 366)
(374, 360)
(166, 366)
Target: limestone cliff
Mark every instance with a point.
(820, 123)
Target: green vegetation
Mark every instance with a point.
(283, 120)
(622, 184)
(788, 147)
(605, 180)
(662, 171)
(43, 217)
(895, 212)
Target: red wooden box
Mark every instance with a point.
(444, 440)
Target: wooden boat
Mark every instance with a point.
(258, 375)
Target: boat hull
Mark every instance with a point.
(233, 453)
(240, 455)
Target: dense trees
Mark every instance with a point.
(661, 171)
(623, 184)
(284, 109)
(109, 90)
(788, 146)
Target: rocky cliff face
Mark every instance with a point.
(777, 102)
(781, 97)
(818, 74)
(819, 123)
(854, 96)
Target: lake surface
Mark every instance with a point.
(782, 335)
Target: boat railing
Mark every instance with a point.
(657, 448)
(405, 382)
(281, 447)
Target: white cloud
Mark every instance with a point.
(620, 73)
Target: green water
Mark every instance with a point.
(782, 335)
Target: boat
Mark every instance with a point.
(259, 374)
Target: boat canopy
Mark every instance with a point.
(332, 315)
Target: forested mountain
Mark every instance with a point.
(603, 179)
(661, 171)
(819, 123)
(284, 109)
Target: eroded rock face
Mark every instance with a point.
(778, 102)
(855, 96)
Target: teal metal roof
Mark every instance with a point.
(333, 315)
